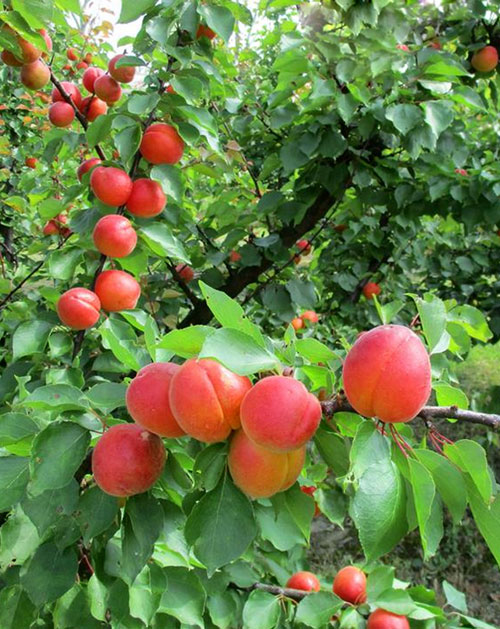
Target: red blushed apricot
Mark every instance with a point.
(86, 166)
(56, 226)
(107, 89)
(82, 65)
(304, 246)
(279, 413)
(111, 185)
(92, 107)
(90, 76)
(234, 256)
(310, 315)
(259, 472)
(10, 59)
(297, 323)
(387, 374)
(72, 54)
(61, 114)
(29, 52)
(370, 289)
(30, 162)
(205, 399)
(147, 198)
(35, 75)
(350, 585)
(304, 580)
(161, 144)
(485, 60)
(381, 619)
(117, 290)
(185, 272)
(127, 460)
(71, 89)
(123, 74)
(78, 308)
(114, 236)
(148, 399)
(205, 31)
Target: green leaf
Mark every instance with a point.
(314, 351)
(238, 351)
(471, 458)
(15, 427)
(316, 609)
(133, 10)
(186, 342)
(487, 518)
(472, 320)
(14, 476)
(404, 117)
(30, 337)
(62, 397)
(162, 242)
(438, 115)
(16, 609)
(261, 611)
(127, 142)
(219, 19)
(209, 465)
(57, 453)
(379, 580)
(223, 509)
(38, 13)
(142, 524)
(121, 339)
(184, 596)
(427, 507)
(170, 179)
(446, 395)
(107, 395)
(432, 313)
(189, 87)
(45, 509)
(96, 512)
(454, 598)
(18, 540)
(98, 130)
(395, 601)
(223, 608)
(298, 506)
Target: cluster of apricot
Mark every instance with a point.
(350, 585)
(34, 72)
(308, 317)
(83, 62)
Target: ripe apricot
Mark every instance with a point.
(87, 165)
(10, 59)
(205, 31)
(71, 89)
(111, 185)
(107, 89)
(117, 290)
(297, 323)
(381, 619)
(485, 60)
(259, 472)
(185, 272)
(92, 107)
(29, 52)
(309, 315)
(350, 585)
(304, 580)
(387, 374)
(56, 226)
(127, 460)
(147, 198)
(123, 74)
(370, 289)
(114, 236)
(234, 256)
(82, 65)
(72, 54)
(35, 75)
(279, 413)
(147, 399)
(205, 399)
(304, 246)
(78, 308)
(90, 76)
(30, 162)
(61, 114)
(161, 144)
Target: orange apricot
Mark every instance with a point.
(161, 144)
(122, 74)
(111, 185)
(350, 585)
(117, 290)
(147, 198)
(78, 308)
(304, 580)
(114, 236)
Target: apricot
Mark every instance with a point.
(205, 399)
(185, 272)
(35, 75)
(304, 246)
(127, 460)
(381, 619)
(234, 256)
(71, 90)
(88, 58)
(78, 308)
(117, 290)
(10, 59)
(350, 585)
(304, 580)
(107, 89)
(259, 472)
(48, 41)
(169, 89)
(114, 236)
(279, 413)
(297, 323)
(123, 74)
(387, 374)
(29, 52)
(72, 54)
(485, 60)
(30, 162)
(147, 399)
(89, 78)
(61, 114)
(81, 65)
(92, 107)
(56, 226)
(370, 289)
(309, 315)
(147, 198)
(309, 490)
(161, 144)
(86, 166)
(205, 31)
(111, 185)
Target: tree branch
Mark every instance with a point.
(296, 595)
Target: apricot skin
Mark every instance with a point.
(111, 185)
(90, 76)
(147, 399)
(381, 619)
(350, 585)
(107, 89)
(78, 308)
(123, 74)
(161, 144)
(370, 289)
(485, 60)
(304, 580)
(127, 460)
(147, 198)
(35, 75)
(87, 165)
(71, 89)
(185, 272)
(387, 374)
(205, 399)
(61, 114)
(259, 472)
(114, 236)
(279, 413)
(117, 290)
(92, 107)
